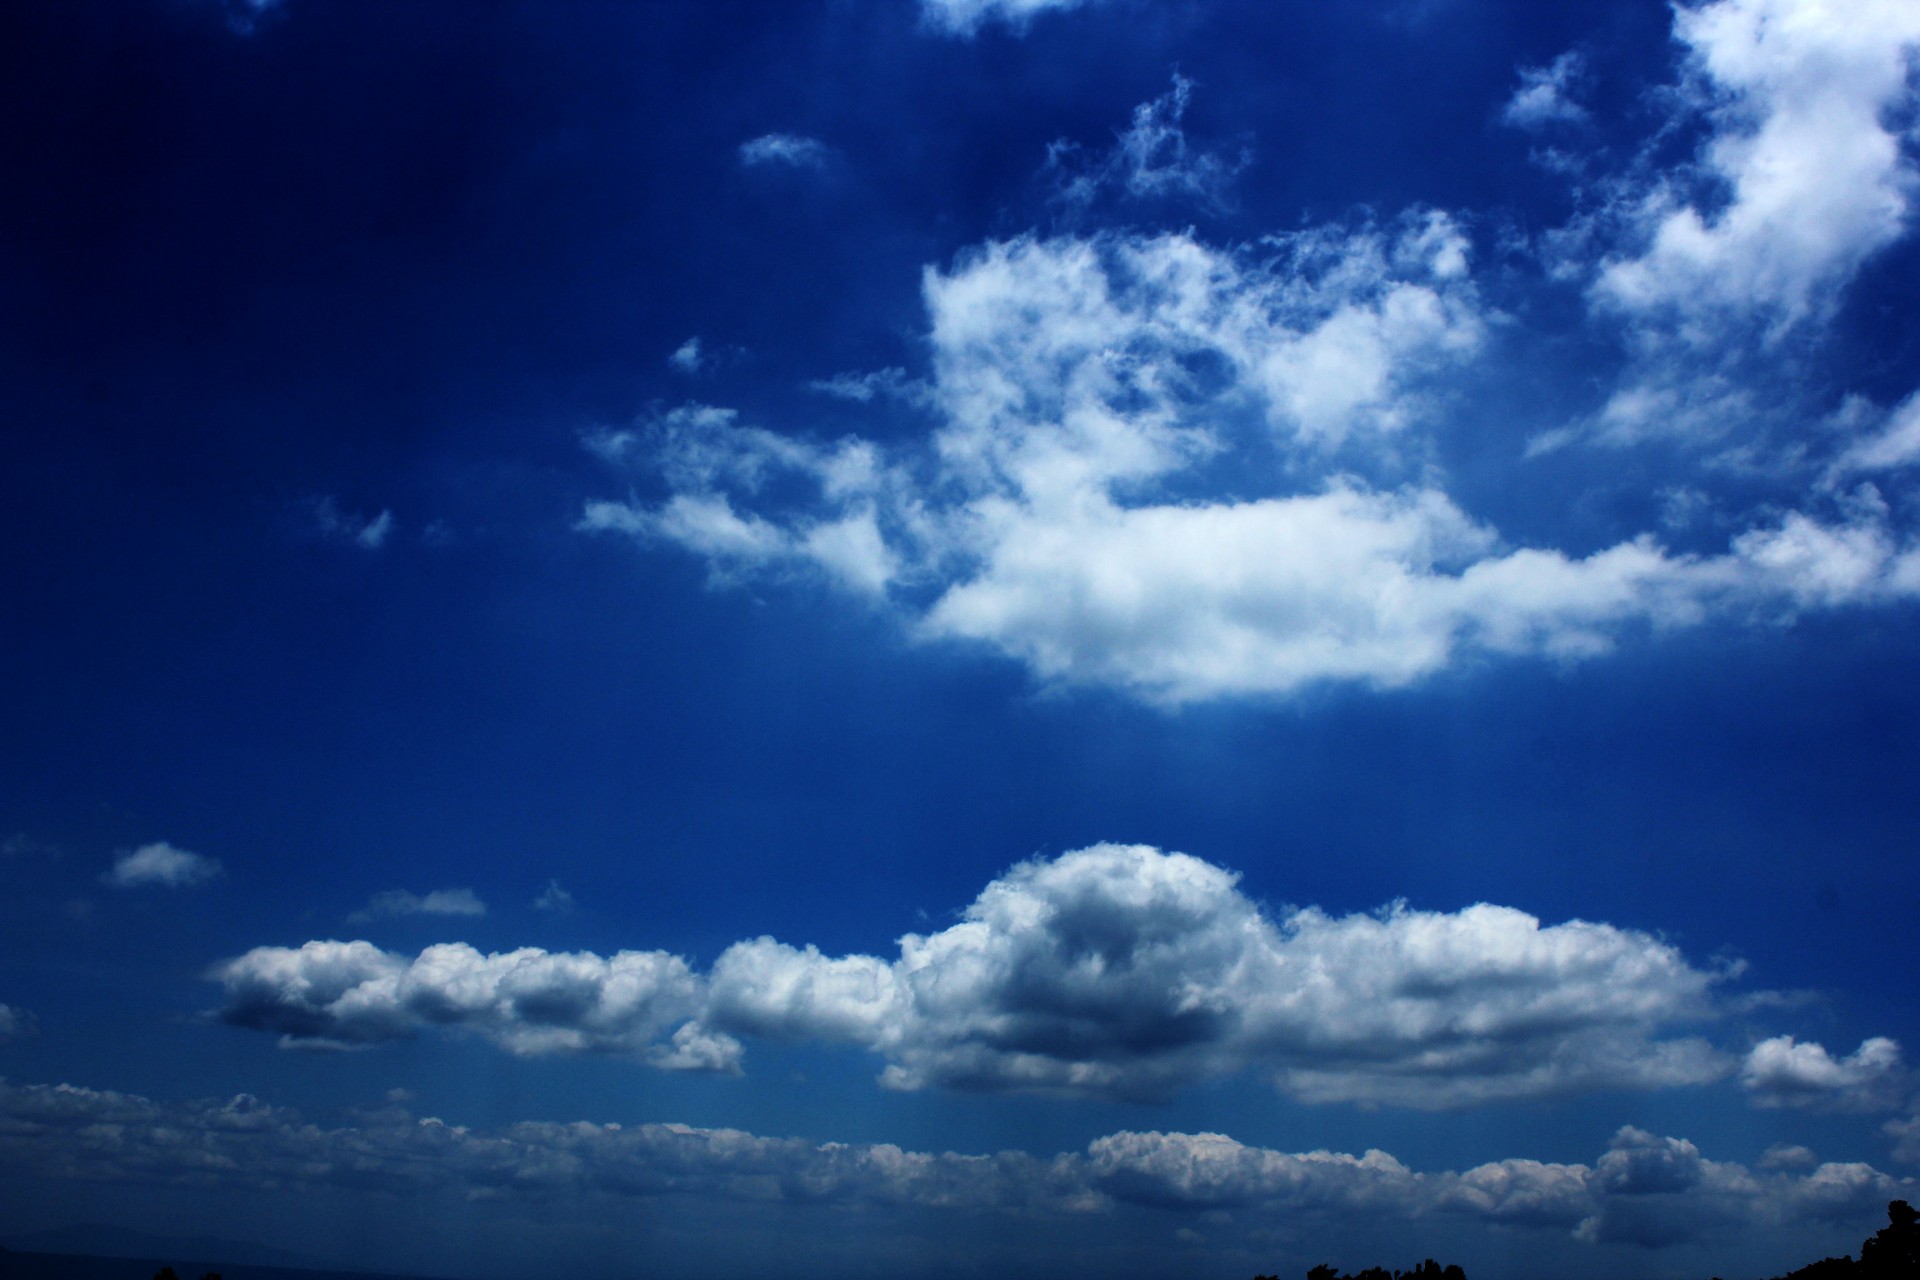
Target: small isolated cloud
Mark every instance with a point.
(16, 1023)
(793, 150)
(439, 902)
(686, 357)
(965, 17)
(163, 865)
(1151, 159)
(866, 388)
(369, 533)
(1113, 971)
(1546, 95)
(1783, 1073)
(553, 898)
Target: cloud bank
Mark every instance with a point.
(1644, 1189)
(1115, 971)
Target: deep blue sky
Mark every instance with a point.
(1181, 476)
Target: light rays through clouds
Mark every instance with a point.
(1193, 471)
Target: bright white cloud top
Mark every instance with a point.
(1193, 471)
(1115, 971)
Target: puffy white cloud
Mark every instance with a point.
(965, 17)
(791, 149)
(1781, 1072)
(438, 902)
(1116, 971)
(528, 1001)
(1815, 178)
(163, 865)
(1644, 1190)
(1081, 383)
(686, 357)
(1113, 971)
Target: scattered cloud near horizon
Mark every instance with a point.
(1644, 1189)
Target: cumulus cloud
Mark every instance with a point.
(1082, 383)
(1644, 1189)
(965, 17)
(160, 864)
(790, 149)
(1151, 159)
(439, 902)
(1547, 95)
(1782, 1073)
(1799, 95)
(529, 1001)
(1113, 971)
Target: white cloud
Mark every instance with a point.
(1799, 93)
(528, 1001)
(1644, 1190)
(1546, 95)
(793, 150)
(1114, 971)
(1894, 442)
(439, 902)
(965, 17)
(1150, 159)
(1782, 1073)
(160, 864)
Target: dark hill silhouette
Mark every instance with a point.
(1892, 1253)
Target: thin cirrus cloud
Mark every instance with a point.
(392, 903)
(792, 150)
(1113, 972)
(1644, 1189)
(966, 17)
(160, 865)
(1084, 388)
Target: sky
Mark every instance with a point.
(856, 638)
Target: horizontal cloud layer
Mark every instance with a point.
(1644, 1189)
(1115, 971)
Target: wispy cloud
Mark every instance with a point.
(369, 533)
(438, 902)
(789, 149)
(965, 17)
(161, 865)
(1151, 159)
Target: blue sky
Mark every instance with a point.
(878, 637)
